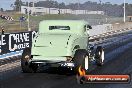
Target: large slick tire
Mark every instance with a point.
(81, 59)
(25, 65)
(99, 56)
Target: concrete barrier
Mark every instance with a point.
(109, 28)
(100, 29)
(119, 26)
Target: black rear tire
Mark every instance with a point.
(99, 56)
(25, 65)
(79, 60)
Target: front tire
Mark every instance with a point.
(99, 56)
(25, 65)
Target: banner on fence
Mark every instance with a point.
(16, 41)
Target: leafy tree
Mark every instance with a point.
(18, 4)
(1, 9)
(62, 5)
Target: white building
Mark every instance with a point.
(43, 11)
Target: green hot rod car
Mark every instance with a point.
(61, 43)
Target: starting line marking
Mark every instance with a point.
(11, 54)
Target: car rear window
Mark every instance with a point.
(59, 28)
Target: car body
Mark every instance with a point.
(59, 42)
(56, 44)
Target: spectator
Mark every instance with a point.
(23, 18)
(2, 30)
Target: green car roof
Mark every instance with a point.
(75, 26)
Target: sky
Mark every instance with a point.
(6, 3)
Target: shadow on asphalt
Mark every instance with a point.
(56, 70)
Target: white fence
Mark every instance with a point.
(44, 10)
